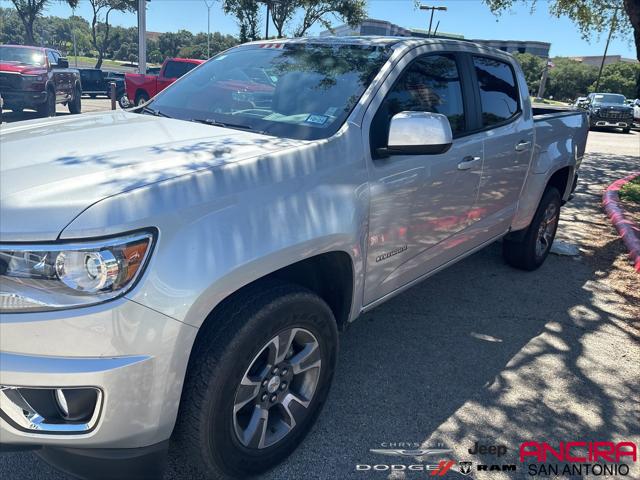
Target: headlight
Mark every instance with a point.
(596, 111)
(67, 275)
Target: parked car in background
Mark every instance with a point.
(178, 282)
(636, 113)
(581, 102)
(38, 78)
(140, 88)
(98, 82)
(609, 110)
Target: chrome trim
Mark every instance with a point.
(24, 417)
(76, 245)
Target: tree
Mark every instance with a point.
(619, 78)
(569, 79)
(532, 66)
(100, 30)
(352, 12)
(248, 16)
(29, 10)
(591, 16)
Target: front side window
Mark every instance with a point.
(53, 59)
(178, 69)
(429, 84)
(498, 90)
(294, 90)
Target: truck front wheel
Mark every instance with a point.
(257, 379)
(75, 104)
(530, 251)
(48, 108)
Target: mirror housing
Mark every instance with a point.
(63, 63)
(418, 133)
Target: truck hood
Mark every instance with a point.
(51, 170)
(20, 68)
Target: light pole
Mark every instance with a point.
(606, 47)
(142, 36)
(209, 4)
(433, 9)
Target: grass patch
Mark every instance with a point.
(630, 192)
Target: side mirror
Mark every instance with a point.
(63, 63)
(418, 133)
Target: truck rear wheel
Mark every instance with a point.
(257, 379)
(529, 252)
(141, 98)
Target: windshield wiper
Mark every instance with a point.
(215, 123)
(156, 113)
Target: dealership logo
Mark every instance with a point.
(578, 458)
(465, 467)
(416, 452)
(498, 450)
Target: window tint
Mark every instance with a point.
(53, 59)
(177, 69)
(430, 84)
(498, 90)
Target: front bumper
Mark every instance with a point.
(23, 98)
(135, 356)
(605, 121)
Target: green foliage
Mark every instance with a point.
(570, 79)
(283, 11)
(57, 32)
(619, 77)
(28, 11)
(630, 192)
(532, 66)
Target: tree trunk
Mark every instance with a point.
(27, 21)
(632, 7)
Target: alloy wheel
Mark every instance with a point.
(546, 230)
(276, 390)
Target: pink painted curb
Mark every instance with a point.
(628, 230)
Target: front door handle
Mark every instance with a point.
(468, 162)
(522, 146)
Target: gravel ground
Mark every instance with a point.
(482, 352)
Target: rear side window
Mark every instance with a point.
(498, 90)
(178, 69)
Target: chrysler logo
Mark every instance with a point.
(417, 452)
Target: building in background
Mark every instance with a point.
(372, 26)
(597, 60)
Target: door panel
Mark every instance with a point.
(418, 201)
(508, 142)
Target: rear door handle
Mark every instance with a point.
(468, 162)
(521, 146)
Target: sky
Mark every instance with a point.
(470, 18)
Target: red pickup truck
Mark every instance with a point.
(141, 88)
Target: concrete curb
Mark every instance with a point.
(628, 230)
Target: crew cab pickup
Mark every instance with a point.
(98, 82)
(140, 88)
(38, 78)
(174, 279)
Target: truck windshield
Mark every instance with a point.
(21, 55)
(294, 90)
(608, 98)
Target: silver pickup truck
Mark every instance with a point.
(173, 278)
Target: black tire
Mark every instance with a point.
(123, 101)
(524, 253)
(204, 442)
(141, 98)
(16, 109)
(626, 130)
(93, 95)
(48, 108)
(75, 104)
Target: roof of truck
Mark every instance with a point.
(372, 40)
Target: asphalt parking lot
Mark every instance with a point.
(88, 105)
(484, 353)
